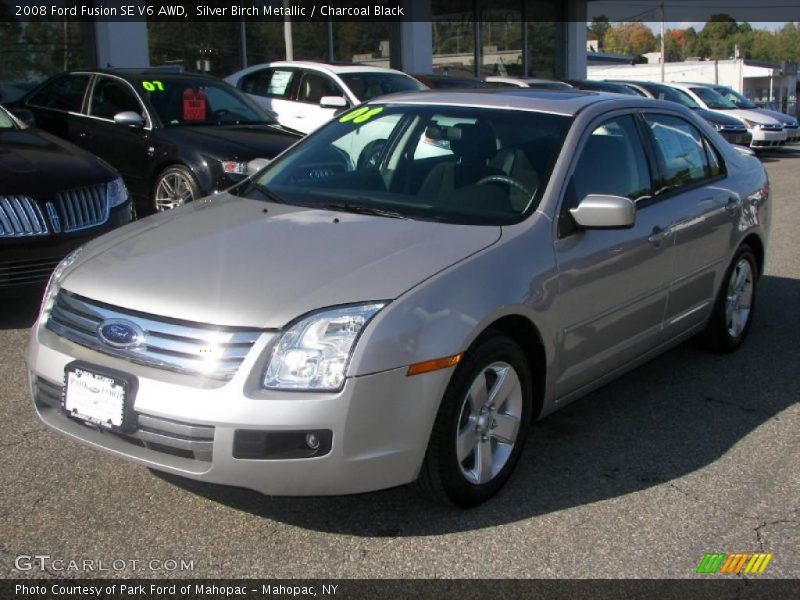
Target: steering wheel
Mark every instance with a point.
(508, 181)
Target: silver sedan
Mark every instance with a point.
(397, 297)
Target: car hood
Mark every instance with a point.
(719, 118)
(234, 142)
(37, 164)
(754, 116)
(240, 262)
(779, 116)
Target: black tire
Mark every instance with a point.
(443, 476)
(186, 190)
(721, 334)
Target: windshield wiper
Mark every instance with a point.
(268, 193)
(364, 210)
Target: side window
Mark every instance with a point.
(257, 82)
(65, 93)
(611, 162)
(313, 87)
(110, 97)
(681, 150)
(715, 165)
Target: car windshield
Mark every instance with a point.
(663, 92)
(735, 97)
(366, 85)
(6, 122)
(199, 101)
(461, 165)
(713, 99)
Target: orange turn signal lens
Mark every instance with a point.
(433, 365)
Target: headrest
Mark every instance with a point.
(472, 140)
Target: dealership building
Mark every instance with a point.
(537, 38)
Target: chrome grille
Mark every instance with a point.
(25, 271)
(81, 208)
(20, 216)
(169, 344)
(177, 438)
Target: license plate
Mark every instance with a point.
(96, 398)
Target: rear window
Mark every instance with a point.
(64, 93)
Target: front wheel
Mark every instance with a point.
(174, 187)
(481, 426)
(733, 309)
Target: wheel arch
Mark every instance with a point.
(525, 333)
(757, 246)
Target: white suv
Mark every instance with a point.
(305, 95)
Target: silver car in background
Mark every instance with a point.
(335, 325)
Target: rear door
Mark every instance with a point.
(272, 88)
(613, 283)
(57, 104)
(705, 211)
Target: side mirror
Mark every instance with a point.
(598, 211)
(129, 118)
(25, 116)
(255, 165)
(333, 102)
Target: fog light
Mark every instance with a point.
(312, 441)
(281, 445)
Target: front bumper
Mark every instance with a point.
(765, 139)
(380, 423)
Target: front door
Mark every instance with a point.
(613, 283)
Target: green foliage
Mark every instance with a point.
(718, 39)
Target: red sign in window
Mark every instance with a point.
(194, 105)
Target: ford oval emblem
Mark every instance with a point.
(119, 333)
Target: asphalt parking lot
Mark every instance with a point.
(691, 453)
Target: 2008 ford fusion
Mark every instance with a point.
(339, 323)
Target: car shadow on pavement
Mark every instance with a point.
(677, 414)
(770, 155)
(20, 312)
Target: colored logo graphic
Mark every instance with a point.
(739, 562)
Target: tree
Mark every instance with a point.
(633, 39)
(599, 28)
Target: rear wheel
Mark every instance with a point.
(175, 187)
(733, 310)
(481, 425)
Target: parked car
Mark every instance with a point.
(503, 81)
(324, 329)
(790, 124)
(448, 82)
(600, 86)
(174, 137)
(730, 128)
(304, 95)
(53, 197)
(765, 130)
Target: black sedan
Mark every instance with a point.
(53, 198)
(174, 137)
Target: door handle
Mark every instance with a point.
(659, 234)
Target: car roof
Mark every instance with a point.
(337, 68)
(144, 72)
(561, 102)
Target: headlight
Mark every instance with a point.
(117, 192)
(51, 291)
(232, 167)
(314, 352)
(751, 124)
